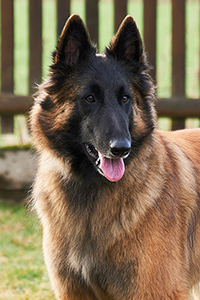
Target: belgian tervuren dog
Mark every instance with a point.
(118, 199)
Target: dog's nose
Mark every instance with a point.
(120, 148)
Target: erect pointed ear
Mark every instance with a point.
(74, 43)
(127, 43)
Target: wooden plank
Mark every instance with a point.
(7, 45)
(7, 58)
(178, 55)
(63, 13)
(150, 13)
(35, 43)
(120, 12)
(178, 108)
(92, 19)
(178, 47)
(7, 124)
(173, 107)
(13, 104)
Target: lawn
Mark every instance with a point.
(23, 274)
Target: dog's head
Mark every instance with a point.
(95, 110)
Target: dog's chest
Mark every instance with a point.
(83, 251)
(94, 256)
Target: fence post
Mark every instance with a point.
(120, 12)
(63, 13)
(150, 20)
(92, 19)
(178, 56)
(7, 58)
(35, 43)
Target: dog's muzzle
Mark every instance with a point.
(111, 165)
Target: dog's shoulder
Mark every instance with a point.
(187, 140)
(185, 136)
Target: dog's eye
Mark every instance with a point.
(125, 99)
(90, 99)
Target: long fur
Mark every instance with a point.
(133, 239)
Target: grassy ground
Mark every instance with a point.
(23, 274)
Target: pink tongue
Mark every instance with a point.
(113, 169)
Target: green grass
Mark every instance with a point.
(23, 275)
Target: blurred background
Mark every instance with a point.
(30, 29)
(28, 35)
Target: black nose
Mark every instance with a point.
(120, 147)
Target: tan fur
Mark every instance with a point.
(127, 235)
(134, 239)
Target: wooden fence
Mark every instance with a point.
(178, 107)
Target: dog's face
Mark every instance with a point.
(95, 110)
(105, 109)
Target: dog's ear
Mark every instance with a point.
(127, 43)
(74, 43)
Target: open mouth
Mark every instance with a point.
(112, 168)
(92, 151)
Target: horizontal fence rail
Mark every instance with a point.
(178, 107)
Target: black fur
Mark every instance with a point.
(78, 72)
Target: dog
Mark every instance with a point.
(118, 199)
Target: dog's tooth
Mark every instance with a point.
(97, 161)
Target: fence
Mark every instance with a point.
(178, 107)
